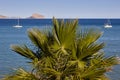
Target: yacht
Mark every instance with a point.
(108, 24)
(18, 26)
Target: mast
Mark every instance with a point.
(18, 21)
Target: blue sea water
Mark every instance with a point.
(10, 60)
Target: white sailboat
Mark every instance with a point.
(108, 24)
(18, 26)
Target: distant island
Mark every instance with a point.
(36, 16)
(3, 17)
(33, 16)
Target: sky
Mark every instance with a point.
(61, 8)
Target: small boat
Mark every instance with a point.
(108, 24)
(18, 26)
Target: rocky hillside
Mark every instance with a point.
(36, 16)
(33, 16)
(1, 16)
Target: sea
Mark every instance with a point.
(10, 61)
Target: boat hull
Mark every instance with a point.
(17, 26)
(108, 26)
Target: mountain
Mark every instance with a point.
(33, 16)
(3, 17)
(36, 16)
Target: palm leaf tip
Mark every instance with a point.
(24, 51)
(117, 59)
(38, 38)
(21, 75)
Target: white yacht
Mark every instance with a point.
(18, 26)
(108, 24)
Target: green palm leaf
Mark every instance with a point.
(68, 31)
(87, 44)
(24, 51)
(42, 40)
(21, 75)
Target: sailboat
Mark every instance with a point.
(18, 26)
(108, 24)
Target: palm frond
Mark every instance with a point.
(41, 40)
(98, 65)
(68, 32)
(89, 50)
(89, 35)
(87, 44)
(24, 51)
(71, 69)
(103, 61)
(21, 75)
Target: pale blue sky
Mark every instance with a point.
(61, 8)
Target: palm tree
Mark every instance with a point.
(64, 53)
